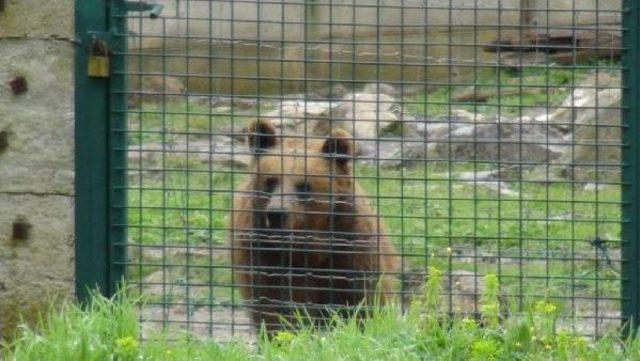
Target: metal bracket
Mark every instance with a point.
(141, 6)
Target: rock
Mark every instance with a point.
(592, 118)
(379, 150)
(334, 92)
(365, 115)
(463, 116)
(598, 138)
(301, 108)
(511, 142)
(290, 116)
(583, 96)
(435, 130)
(237, 102)
(476, 176)
(380, 88)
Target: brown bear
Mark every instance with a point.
(304, 237)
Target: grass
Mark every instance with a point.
(501, 92)
(537, 236)
(170, 123)
(442, 222)
(108, 329)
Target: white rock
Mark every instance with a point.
(462, 115)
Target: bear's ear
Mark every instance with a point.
(261, 135)
(340, 146)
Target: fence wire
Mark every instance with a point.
(292, 154)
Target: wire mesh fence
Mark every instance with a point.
(295, 154)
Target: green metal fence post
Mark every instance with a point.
(91, 150)
(631, 174)
(118, 144)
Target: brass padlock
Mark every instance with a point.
(98, 65)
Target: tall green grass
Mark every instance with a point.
(107, 329)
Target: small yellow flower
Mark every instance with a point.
(484, 350)
(545, 307)
(490, 308)
(469, 323)
(284, 337)
(449, 250)
(127, 345)
(547, 347)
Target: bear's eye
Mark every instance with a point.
(270, 185)
(303, 190)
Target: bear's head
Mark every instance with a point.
(301, 185)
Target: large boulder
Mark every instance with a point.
(473, 138)
(592, 118)
(365, 115)
(513, 142)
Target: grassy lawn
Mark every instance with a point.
(529, 237)
(537, 236)
(503, 92)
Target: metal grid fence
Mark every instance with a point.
(484, 137)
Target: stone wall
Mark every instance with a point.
(36, 156)
(446, 26)
(573, 12)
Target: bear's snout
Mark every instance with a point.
(276, 218)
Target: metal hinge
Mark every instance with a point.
(154, 9)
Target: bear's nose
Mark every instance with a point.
(276, 219)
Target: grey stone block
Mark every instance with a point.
(39, 154)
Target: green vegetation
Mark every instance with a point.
(503, 92)
(170, 123)
(443, 222)
(108, 329)
(536, 234)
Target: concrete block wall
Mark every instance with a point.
(579, 13)
(278, 26)
(36, 156)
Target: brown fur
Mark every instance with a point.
(330, 250)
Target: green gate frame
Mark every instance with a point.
(100, 144)
(100, 175)
(630, 251)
